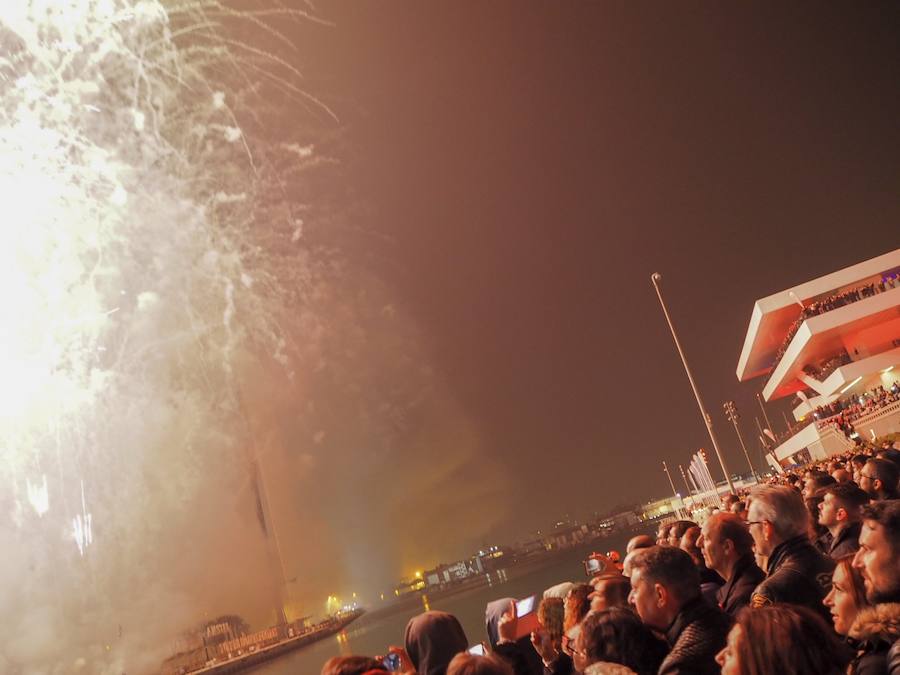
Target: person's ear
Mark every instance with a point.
(728, 546)
(841, 514)
(877, 484)
(768, 530)
(662, 595)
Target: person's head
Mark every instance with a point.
(432, 640)
(847, 595)
(550, 616)
(740, 509)
(841, 504)
(351, 665)
(639, 541)
(662, 534)
(777, 513)
(781, 639)
(470, 664)
(842, 475)
(879, 479)
(663, 580)
(617, 635)
(728, 500)
(576, 605)
(611, 591)
(724, 540)
(689, 545)
(890, 454)
(560, 590)
(679, 527)
(815, 481)
(879, 550)
(857, 464)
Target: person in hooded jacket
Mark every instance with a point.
(432, 640)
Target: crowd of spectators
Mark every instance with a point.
(800, 575)
(834, 301)
(822, 370)
(843, 412)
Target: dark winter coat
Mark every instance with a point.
(798, 574)
(735, 594)
(846, 542)
(696, 635)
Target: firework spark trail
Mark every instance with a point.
(159, 254)
(140, 263)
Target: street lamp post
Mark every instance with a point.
(731, 413)
(655, 278)
(688, 487)
(674, 491)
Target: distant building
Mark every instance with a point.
(835, 343)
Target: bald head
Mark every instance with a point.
(640, 541)
(841, 475)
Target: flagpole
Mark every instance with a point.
(655, 278)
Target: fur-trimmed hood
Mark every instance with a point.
(881, 622)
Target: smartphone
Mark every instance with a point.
(524, 606)
(478, 650)
(526, 616)
(593, 566)
(392, 662)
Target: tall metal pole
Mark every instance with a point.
(674, 491)
(787, 424)
(732, 414)
(765, 414)
(655, 278)
(688, 487)
(764, 443)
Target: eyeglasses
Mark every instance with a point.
(755, 522)
(862, 475)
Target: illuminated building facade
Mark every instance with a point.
(834, 343)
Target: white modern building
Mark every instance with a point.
(834, 343)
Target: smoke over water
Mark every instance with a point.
(180, 327)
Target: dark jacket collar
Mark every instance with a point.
(785, 549)
(743, 564)
(851, 532)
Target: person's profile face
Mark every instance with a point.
(877, 562)
(644, 599)
(728, 657)
(840, 601)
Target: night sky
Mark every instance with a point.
(522, 168)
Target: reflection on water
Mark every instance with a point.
(373, 634)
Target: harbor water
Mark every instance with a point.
(373, 634)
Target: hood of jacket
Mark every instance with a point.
(881, 622)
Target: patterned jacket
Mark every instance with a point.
(696, 635)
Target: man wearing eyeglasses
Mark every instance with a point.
(797, 573)
(879, 479)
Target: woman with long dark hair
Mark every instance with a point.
(782, 639)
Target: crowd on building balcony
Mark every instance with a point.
(834, 301)
(823, 369)
(843, 412)
(798, 574)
